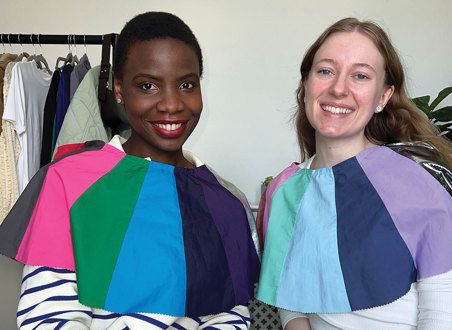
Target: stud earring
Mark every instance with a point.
(118, 101)
(378, 109)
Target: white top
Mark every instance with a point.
(117, 141)
(24, 108)
(428, 305)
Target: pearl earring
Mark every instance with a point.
(378, 109)
(118, 101)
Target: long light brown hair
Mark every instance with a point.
(400, 121)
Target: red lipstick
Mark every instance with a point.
(169, 129)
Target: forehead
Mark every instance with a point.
(161, 55)
(350, 48)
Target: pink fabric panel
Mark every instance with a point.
(47, 240)
(272, 187)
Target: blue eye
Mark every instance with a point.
(324, 72)
(361, 76)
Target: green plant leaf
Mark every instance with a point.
(444, 127)
(441, 96)
(444, 114)
(422, 103)
(267, 180)
(448, 135)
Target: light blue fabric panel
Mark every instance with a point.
(311, 279)
(153, 243)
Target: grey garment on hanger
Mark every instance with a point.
(78, 74)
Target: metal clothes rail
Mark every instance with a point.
(62, 39)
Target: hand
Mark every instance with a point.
(299, 323)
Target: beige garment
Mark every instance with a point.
(4, 60)
(7, 78)
(9, 153)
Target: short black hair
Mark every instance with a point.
(149, 26)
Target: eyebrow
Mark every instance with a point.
(359, 64)
(150, 76)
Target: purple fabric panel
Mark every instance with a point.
(419, 206)
(272, 187)
(231, 220)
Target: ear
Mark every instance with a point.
(117, 85)
(387, 93)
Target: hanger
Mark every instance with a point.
(21, 55)
(84, 42)
(3, 44)
(67, 59)
(10, 46)
(33, 57)
(39, 59)
(74, 60)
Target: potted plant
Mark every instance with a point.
(265, 183)
(442, 117)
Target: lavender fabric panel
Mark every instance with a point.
(419, 206)
(231, 221)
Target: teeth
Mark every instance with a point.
(335, 109)
(169, 127)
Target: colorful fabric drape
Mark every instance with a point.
(142, 236)
(353, 236)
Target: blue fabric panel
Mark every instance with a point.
(376, 264)
(62, 99)
(311, 280)
(160, 257)
(204, 252)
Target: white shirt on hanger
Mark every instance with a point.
(24, 108)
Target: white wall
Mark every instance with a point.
(252, 52)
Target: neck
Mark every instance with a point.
(174, 158)
(330, 152)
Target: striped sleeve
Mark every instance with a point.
(49, 300)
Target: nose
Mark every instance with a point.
(170, 101)
(339, 87)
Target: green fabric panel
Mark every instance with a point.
(284, 208)
(99, 221)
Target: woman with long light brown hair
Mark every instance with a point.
(356, 235)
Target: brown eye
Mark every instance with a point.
(187, 85)
(148, 86)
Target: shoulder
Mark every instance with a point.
(286, 174)
(428, 158)
(83, 158)
(76, 148)
(192, 158)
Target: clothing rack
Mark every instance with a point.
(60, 39)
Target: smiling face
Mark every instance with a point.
(160, 89)
(344, 86)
